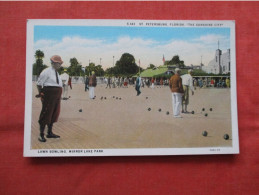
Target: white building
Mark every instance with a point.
(220, 64)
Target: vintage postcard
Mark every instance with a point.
(130, 88)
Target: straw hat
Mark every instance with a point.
(56, 58)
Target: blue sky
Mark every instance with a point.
(148, 44)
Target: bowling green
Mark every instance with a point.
(127, 123)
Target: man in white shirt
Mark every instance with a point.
(50, 85)
(64, 77)
(187, 82)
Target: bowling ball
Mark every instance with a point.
(192, 112)
(80, 110)
(105, 98)
(149, 109)
(146, 97)
(167, 113)
(203, 109)
(159, 109)
(206, 114)
(226, 136)
(210, 109)
(113, 96)
(119, 98)
(116, 98)
(204, 133)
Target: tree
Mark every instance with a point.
(126, 65)
(97, 69)
(38, 66)
(151, 66)
(176, 61)
(75, 69)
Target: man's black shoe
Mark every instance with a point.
(42, 138)
(52, 135)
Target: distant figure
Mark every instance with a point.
(200, 83)
(187, 83)
(126, 81)
(161, 82)
(65, 77)
(121, 81)
(138, 85)
(92, 85)
(148, 83)
(86, 83)
(70, 82)
(195, 83)
(227, 82)
(108, 82)
(176, 87)
(152, 83)
(212, 83)
(142, 83)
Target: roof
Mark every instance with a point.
(153, 72)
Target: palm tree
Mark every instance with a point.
(39, 54)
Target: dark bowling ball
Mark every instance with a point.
(149, 109)
(226, 136)
(203, 109)
(113, 97)
(119, 98)
(204, 133)
(105, 98)
(206, 114)
(192, 112)
(146, 97)
(80, 110)
(167, 113)
(210, 109)
(159, 109)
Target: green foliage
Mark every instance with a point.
(39, 54)
(75, 69)
(125, 66)
(38, 66)
(151, 66)
(97, 69)
(176, 61)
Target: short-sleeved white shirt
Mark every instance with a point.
(187, 80)
(48, 78)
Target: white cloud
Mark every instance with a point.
(147, 50)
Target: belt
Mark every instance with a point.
(51, 87)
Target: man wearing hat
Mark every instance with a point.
(176, 87)
(187, 83)
(49, 86)
(92, 85)
(64, 77)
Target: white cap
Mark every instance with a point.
(177, 70)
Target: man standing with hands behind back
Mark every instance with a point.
(187, 83)
(49, 86)
(176, 87)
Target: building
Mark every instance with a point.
(220, 64)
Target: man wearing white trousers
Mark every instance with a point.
(176, 87)
(92, 85)
(64, 77)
